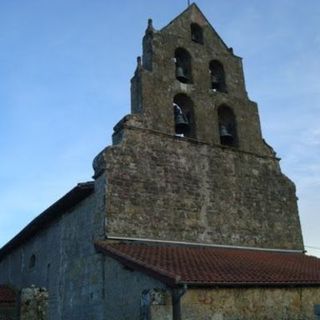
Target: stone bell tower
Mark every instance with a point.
(189, 163)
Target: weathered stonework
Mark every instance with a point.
(244, 304)
(165, 187)
(156, 304)
(250, 304)
(124, 290)
(66, 263)
(34, 304)
(153, 184)
(154, 84)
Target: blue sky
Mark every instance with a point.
(65, 67)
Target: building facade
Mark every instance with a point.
(189, 215)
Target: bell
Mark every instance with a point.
(181, 123)
(181, 75)
(215, 83)
(226, 137)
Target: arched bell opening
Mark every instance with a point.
(196, 33)
(184, 120)
(183, 65)
(217, 76)
(227, 127)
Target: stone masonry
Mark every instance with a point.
(34, 304)
(243, 304)
(189, 164)
(163, 186)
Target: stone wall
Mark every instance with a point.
(154, 85)
(161, 186)
(33, 304)
(250, 304)
(65, 263)
(165, 187)
(226, 304)
(124, 292)
(156, 304)
(144, 298)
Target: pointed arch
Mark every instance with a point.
(184, 119)
(183, 65)
(227, 126)
(217, 76)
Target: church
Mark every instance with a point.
(188, 215)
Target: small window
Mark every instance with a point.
(32, 261)
(184, 116)
(196, 33)
(227, 127)
(217, 76)
(183, 65)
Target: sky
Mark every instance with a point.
(65, 69)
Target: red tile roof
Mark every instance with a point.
(7, 295)
(210, 266)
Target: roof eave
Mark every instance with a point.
(168, 279)
(43, 220)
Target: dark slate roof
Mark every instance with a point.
(42, 221)
(7, 295)
(211, 266)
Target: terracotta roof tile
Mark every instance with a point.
(205, 266)
(7, 295)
